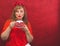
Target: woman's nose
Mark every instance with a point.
(19, 12)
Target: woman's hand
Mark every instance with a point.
(25, 28)
(28, 33)
(12, 24)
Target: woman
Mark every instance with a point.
(13, 35)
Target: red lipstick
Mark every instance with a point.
(19, 16)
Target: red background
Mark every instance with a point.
(43, 16)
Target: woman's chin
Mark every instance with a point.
(19, 19)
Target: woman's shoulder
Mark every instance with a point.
(8, 21)
(29, 23)
(6, 24)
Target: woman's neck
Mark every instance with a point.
(19, 19)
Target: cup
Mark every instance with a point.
(19, 24)
(27, 44)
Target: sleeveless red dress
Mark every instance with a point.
(17, 36)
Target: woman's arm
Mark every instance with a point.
(29, 36)
(28, 32)
(6, 32)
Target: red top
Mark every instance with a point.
(17, 37)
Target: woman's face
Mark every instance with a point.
(19, 13)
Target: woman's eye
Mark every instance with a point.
(21, 11)
(17, 11)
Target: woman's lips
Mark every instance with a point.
(19, 16)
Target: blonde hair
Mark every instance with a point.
(25, 13)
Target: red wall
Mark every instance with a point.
(43, 15)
